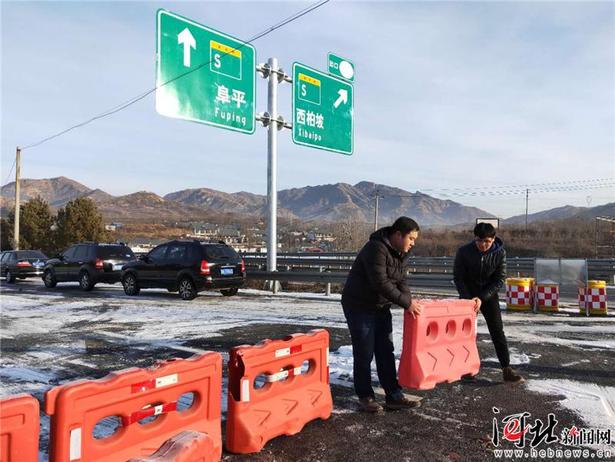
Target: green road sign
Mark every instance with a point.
(322, 110)
(211, 75)
(340, 67)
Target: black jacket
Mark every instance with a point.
(480, 274)
(377, 278)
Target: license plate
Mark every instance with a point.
(117, 267)
(38, 264)
(226, 271)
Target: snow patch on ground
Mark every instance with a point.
(516, 358)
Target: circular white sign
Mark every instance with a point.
(346, 70)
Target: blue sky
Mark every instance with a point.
(447, 94)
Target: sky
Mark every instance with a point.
(446, 95)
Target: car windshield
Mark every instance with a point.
(23, 254)
(220, 252)
(114, 251)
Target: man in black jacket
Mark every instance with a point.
(375, 282)
(480, 272)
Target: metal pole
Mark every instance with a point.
(17, 195)
(527, 196)
(272, 166)
(376, 211)
(596, 238)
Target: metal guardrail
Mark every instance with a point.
(341, 262)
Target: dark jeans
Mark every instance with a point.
(493, 315)
(372, 334)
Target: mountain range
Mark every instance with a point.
(329, 203)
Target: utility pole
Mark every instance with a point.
(376, 210)
(17, 195)
(527, 198)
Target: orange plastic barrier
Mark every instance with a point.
(19, 429)
(188, 446)
(130, 396)
(439, 345)
(290, 396)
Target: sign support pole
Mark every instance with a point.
(272, 167)
(275, 123)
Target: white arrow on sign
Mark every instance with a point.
(185, 38)
(343, 98)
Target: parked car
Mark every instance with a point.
(187, 267)
(22, 264)
(88, 263)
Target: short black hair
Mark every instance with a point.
(404, 225)
(483, 230)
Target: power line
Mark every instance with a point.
(536, 188)
(138, 98)
(10, 172)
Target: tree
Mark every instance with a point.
(6, 232)
(79, 220)
(35, 227)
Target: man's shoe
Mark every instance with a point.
(369, 404)
(395, 404)
(511, 376)
(468, 378)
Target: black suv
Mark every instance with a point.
(88, 263)
(22, 264)
(187, 267)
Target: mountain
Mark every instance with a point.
(56, 191)
(145, 205)
(331, 202)
(563, 213)
(242, 202)
(337, 202)
(139, 206)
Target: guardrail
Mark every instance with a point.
(603, 269)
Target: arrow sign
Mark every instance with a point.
(343, 98)
(185, 38)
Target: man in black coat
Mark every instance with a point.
(480, 272)
(375, 282)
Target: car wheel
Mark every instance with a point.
(85, 281)
(9, 277)
(49, 279)
(131, 285)
(229, 292)
(187, 290)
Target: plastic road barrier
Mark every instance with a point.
(519, 294)
(593, 298)
(439, 345)
(19, 429)
(547, 297)
(275, 388)
(144, 402)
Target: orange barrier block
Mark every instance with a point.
(129, 397)
(290, 395)
(439, 345)
(188, 446)
(19, 429)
